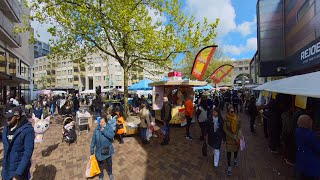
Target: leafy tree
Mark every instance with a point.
(122, 29)
(218, 60)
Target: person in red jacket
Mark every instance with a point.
(189, 108)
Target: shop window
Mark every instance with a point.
(12, 65)
(3, 60)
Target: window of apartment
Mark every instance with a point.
(246, 68)
(40, 68)
(70, 72)
(98, 78)
(240, 68)
(98, 69)
(304, 8)
(70, 80)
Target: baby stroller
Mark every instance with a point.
(69, 130)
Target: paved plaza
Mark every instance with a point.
(181, 159)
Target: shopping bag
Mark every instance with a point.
(149, 134)
(95, 170)
(92, 167)
(204, 149)
(242, 144)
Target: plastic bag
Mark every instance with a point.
(149, 134)
(242, 144)
(92, 167)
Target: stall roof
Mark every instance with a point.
(303, 85)
(179, 83)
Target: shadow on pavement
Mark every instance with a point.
(45, 172)
(47, 152)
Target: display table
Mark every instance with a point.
(177, 115)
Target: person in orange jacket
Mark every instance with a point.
(121, 127)
(189, 108)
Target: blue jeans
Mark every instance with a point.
(143, 134)
(105, 165)
(52, 109)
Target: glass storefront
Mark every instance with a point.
(12, 65)
(3, 61)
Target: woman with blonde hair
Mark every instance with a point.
(231, 128)
(144, 115)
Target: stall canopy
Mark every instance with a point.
(90, 91)
(141, 85)
(112, 90)
(179, 83)
(302, 85)
(207, 87)
(59, 92)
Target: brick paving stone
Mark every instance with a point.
(181, 159)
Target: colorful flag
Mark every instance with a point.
(221, 72)
(202, 61)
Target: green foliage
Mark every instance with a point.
(122, 29)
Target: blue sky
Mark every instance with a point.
(237, 36)
(236, 31)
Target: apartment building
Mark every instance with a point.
(151, 71)
(16, 54)
(41, 49)
(63, 74)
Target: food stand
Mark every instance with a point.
(177, 90)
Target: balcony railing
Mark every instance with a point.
(6, 32)
(12, 10)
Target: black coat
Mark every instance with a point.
(215, 138)
(166, 112)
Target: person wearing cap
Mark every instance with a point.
(308, 150)
(18, 145)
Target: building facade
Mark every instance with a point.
(63, 74)
(16, 54)
(288, 37)
(151, 71)
(241, 72)
(41, 49)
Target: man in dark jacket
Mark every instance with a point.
(18, 144)
(253, 112)
(166, 117)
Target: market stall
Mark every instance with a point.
(176, 90)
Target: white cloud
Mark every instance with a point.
(247, 27)
(213, 9)
(223, 9)
(251, 45)
(41, 29)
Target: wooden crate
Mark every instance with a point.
(131, 131)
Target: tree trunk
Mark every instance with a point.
(126, 93)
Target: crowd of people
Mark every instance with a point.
(290, 131)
